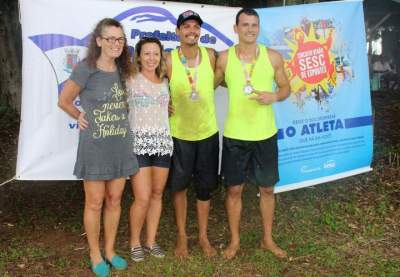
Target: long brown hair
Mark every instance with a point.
(161, 68)
(123, 61)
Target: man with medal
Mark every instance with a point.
(193, 124)
(250, 151)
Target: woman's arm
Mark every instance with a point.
(70, 91)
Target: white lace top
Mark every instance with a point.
(148, 116)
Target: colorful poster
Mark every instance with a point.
(325, 127)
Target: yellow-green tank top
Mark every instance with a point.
(247, 119)
(192, 120)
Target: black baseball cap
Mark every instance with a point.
(189, 14)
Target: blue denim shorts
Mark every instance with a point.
(147, 160)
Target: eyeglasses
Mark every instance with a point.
(113, 40)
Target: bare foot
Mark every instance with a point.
(271, 246)
(181, 248)
(231, 250)
(208, 250)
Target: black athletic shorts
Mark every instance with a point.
(147, 160)
(255, 162)
(194, 162)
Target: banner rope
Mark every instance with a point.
(8, 181)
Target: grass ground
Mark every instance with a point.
(349, 227)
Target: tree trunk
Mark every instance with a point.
(10, 57)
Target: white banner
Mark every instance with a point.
(55, 34)
(319, 141)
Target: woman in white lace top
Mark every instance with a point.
(148, 98)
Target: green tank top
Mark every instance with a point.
(192, 120)
(247, 119)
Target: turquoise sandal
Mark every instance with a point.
(118, 262)
(102, 269)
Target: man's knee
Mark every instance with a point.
(267, 191)
(235, 192)
(179, 197)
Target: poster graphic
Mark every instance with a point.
(325, 131)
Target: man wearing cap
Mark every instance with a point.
(193, 124)
(250, 152)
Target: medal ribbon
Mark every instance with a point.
(247, 74)
(192, 79)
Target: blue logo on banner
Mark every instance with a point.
(48, 42)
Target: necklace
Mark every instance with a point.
(248, 88)
(194, 95)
